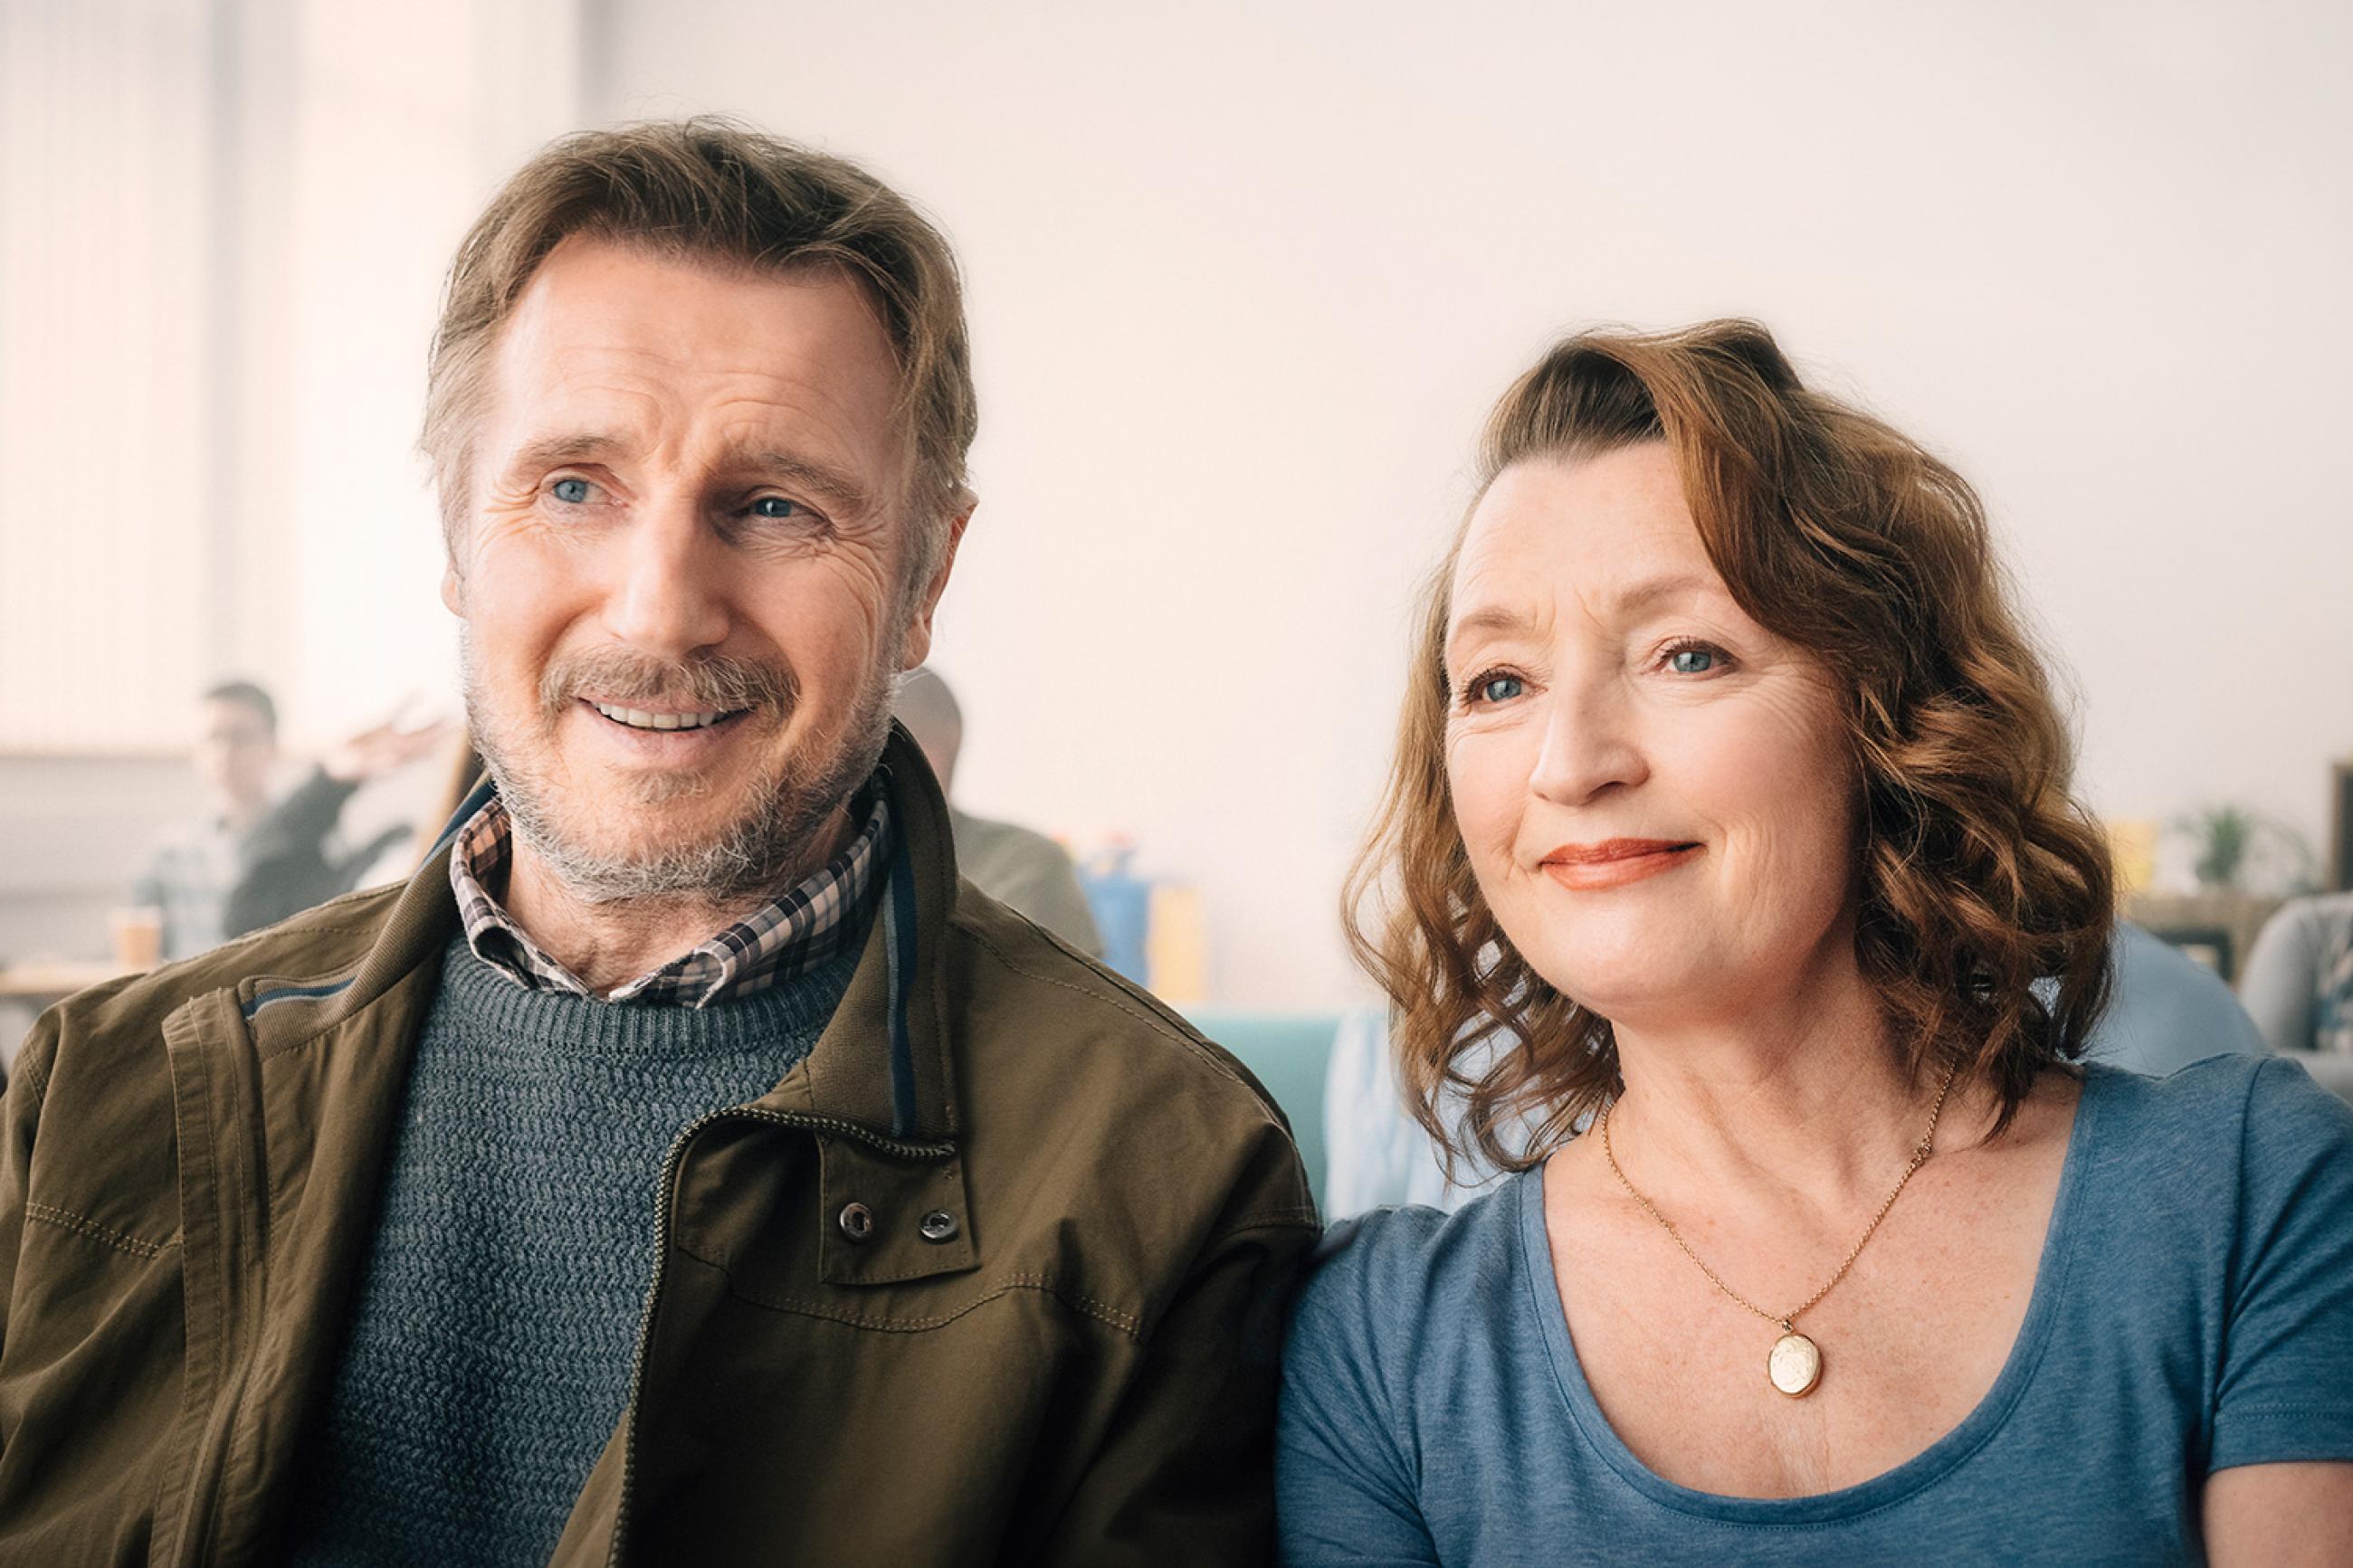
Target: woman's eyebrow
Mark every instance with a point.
(1667, 586)
(1505, 621)
(1489, 618)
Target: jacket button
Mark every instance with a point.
(857, 1222)
(938, 1226)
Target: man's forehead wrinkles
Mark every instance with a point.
(667, 365)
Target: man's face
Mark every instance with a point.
(236, 749)
(684, 571)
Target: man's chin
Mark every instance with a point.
(669, 792)
(714, 867)
(616, 847)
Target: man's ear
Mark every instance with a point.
(453, 588)
(917, 645)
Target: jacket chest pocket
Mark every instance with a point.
(824, 1223)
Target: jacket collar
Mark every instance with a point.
(902, 1092)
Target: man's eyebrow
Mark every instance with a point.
(787, 467)
(838, 488)
(554, 451)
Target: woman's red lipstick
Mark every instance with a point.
(1614, 862)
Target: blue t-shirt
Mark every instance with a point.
(2192, 1310)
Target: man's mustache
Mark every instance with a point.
(708, 683)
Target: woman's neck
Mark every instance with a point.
(1803, 1092)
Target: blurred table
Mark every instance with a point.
(2218, 926)
(42, 981)
(27, 989)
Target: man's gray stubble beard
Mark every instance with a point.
(755, 853)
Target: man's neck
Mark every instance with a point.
(606, 945)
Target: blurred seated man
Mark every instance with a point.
(249, 862)
(2166, 1011)
(1013, 864)
(2298, 979)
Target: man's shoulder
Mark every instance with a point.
(1118, 1057)
(982, 841)
(312, 950)
(1083, 1004)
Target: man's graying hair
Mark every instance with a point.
(714, 189)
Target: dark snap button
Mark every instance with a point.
(857, 1222)
(938, 1226)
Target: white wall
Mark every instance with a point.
(1244, 279)
(225, 228)
(407, 118)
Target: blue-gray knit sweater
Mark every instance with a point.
(493, 1330)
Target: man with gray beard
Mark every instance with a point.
(686, 1166)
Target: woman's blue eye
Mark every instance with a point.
(571, 492)
(1692, 661)
(774, 507)
(1499, 689)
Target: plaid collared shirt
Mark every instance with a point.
(807, 927)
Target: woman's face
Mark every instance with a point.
(1653, 789)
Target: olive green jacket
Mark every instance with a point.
(995, 1274)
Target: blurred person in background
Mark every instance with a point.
(2298, 979)
(466, 787)
(1731, 788)
(1022, 868)
(250, 862)
(683, 1166)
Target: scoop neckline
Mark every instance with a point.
(1916, 1474)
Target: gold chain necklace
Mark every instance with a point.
(1794, 1365)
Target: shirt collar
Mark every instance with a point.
(817, 920)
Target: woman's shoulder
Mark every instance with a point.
(2223, 1093)
(1385, 1274)
(2220, 1221)
(2248, 1130)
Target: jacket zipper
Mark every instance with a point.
(832, 1124)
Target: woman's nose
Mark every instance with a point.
(1589, 747)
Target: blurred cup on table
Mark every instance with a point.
(138, 932)
(2133, 842)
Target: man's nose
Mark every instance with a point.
(1589, 746)
(670, 596)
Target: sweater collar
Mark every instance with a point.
(782, 939)
(883, 1064)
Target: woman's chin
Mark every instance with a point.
(1634, 992)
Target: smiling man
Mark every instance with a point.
(685, 1167)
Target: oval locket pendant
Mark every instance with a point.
(1794, 1366)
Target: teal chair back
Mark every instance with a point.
(1288, 1052)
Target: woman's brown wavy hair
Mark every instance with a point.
(1984, 895)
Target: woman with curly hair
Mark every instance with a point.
(1730, 849)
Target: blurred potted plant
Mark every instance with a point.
(2239, 850)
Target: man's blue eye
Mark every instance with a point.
(571, 492)
(1692, 661)
(774, 507)
(1499, 689)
